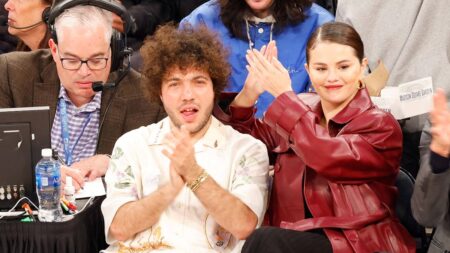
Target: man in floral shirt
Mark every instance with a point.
(187, 182)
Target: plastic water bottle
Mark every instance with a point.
(48, 187)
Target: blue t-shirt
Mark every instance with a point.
(291, 44)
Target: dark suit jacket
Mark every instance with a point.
(30, 79)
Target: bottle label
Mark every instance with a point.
(69, 196)
(44, 181)
(56, 181)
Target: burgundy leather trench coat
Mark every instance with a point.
(345, 174)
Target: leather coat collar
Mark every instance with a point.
(360, 103)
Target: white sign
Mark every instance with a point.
(408, 99)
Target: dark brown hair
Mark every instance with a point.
(285, 12)
(336, 32)
(184, 48)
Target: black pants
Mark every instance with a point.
(273, 240)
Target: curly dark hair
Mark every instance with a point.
(184, 48)
(285, 12)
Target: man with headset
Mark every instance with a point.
(83, 50)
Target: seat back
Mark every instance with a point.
(405, 185)
(330, 5)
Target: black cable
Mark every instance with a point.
(119, 79)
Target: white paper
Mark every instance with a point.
(91, 189)
(384, 103)
(408, 99)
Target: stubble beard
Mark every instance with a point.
(201, 125)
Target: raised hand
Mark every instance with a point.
(252, 88)
(249, 94)
(440, 129)
(179, 148)
(175, 179)
(268, 71)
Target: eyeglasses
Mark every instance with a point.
(96, 63)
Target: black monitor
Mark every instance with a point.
(24, 131)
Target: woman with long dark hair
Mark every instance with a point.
(244, 25)
(336, 154)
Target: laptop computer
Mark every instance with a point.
(23, 133)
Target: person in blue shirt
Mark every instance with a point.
(244, 25)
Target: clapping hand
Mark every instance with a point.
(269, 52)
(179, 148)
(268, 71)
(440, 120)
(253, 87)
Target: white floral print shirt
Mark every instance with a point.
(237, 162)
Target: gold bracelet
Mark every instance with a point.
(194, 185)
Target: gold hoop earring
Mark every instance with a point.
(362, 85)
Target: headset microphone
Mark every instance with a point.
(25, 27)
(99, 85)
(44, 18)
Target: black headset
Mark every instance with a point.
(119, 49)
(46, 14)
(44, 19)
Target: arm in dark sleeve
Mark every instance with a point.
(147, 16)
(430, 200)
(244, 121)
(367, 149)
(439, 164)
